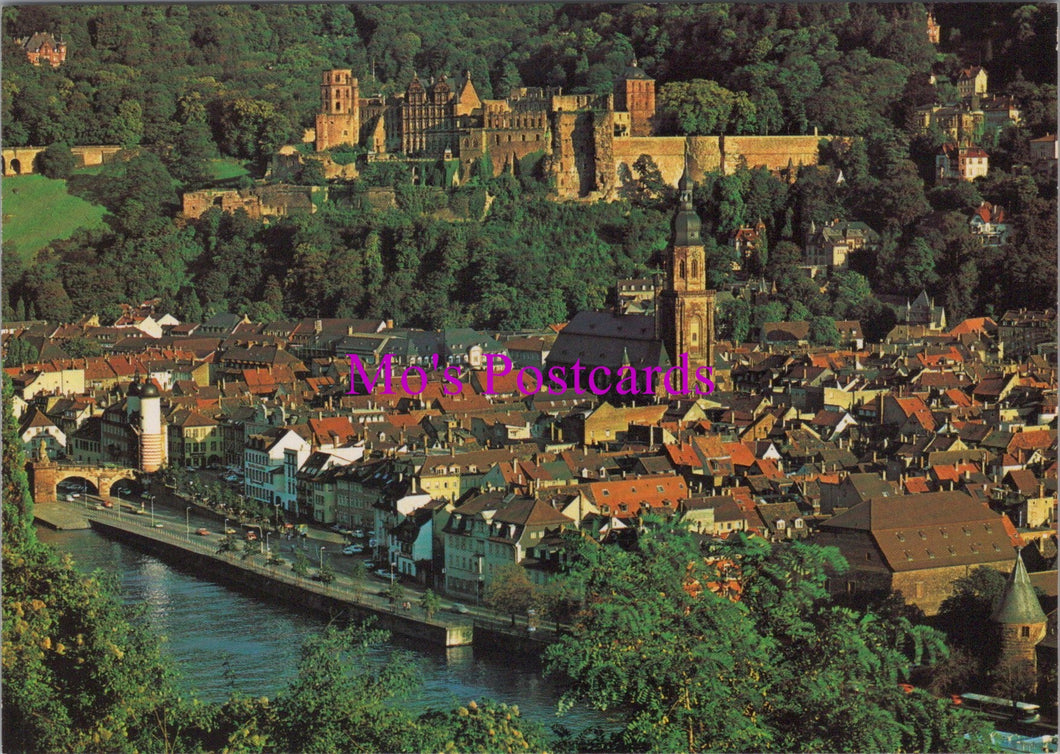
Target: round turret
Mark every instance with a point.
(149, 391)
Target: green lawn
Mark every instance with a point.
(227, 168)
(37, 211)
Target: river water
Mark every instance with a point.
(225, 641)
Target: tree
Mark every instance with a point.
(57, 161)
(510, 591)
(17, 502)
(342, 700)
(395, 592)
(431, 603)
(358, 572)
(917, 267)
(679, 661)
(80, 348)
(326, 574)
(300, 566)
(823, 331)
(734, 319)
(21, 352)
(703, 107)
(740, 647)
(486, 727)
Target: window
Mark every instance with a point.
(1025, 632)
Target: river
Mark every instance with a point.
(225, 641)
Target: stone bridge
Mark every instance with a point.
(23, 160)
(45, 476)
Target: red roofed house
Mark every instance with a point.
(43, 47)
(989, 224)
(961, 163)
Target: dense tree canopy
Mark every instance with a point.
(740, 648)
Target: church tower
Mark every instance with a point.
(1020, 618)
(686, 307)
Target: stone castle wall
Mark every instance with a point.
(258, 202)
(23, 160)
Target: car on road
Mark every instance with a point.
(369, 564)
(252, 536)
(159, 525)
(358, 533)
(352, 550)
(459, 608)
(69, 498)
(383, 573)
(203, 532)
(230, 531)
(108, 504)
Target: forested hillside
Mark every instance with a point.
(181, 84)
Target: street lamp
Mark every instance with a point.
(321, 558)
(268, 550)
(226, 528)
(277, 507)
(152, 512)
(187, 522)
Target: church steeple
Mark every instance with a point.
(687, 225)
(685, 309)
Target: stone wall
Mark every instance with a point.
(928, 588)
(772, 152)
(258, 202)
(23, 160)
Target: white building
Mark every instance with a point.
(271, 461)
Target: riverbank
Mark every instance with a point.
(357, 599)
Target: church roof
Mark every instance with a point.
(1018, 604)
(608, 339)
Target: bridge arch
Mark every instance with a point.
(47, 475)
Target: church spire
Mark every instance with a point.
(687, 225)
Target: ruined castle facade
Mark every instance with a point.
(590, 141)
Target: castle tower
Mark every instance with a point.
(635, 94)
(1019, 617)
(686, 307)
(339, 120)
(152, 437)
